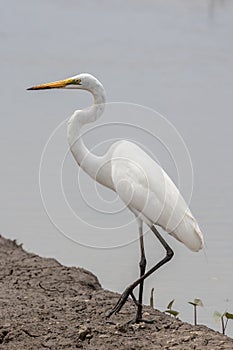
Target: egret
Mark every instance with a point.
(138, 180)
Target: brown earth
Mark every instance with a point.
(45, 305)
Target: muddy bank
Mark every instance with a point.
(46, 305)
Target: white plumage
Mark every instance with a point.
(139, 181)
(149, 192)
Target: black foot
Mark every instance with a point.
(122, 300)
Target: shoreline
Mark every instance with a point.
(47, 305)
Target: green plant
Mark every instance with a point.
(196, 303)
(170, 310)
(224, 318)
(152, 298)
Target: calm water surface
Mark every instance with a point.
(175, 57)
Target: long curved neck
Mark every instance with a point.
(89, 162)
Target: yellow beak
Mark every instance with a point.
(53, 85)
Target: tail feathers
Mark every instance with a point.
(189, 233)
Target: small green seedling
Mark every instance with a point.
(224, 319)
(195, 303)
(152, 298)
(170, 310)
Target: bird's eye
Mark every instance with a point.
(77, 81)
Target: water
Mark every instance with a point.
(174, 57)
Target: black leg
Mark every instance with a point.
(124, 296)
(142, 266)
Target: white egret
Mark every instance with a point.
(137, 179)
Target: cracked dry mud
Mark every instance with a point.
(45, 305)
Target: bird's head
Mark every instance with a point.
(82, 81)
